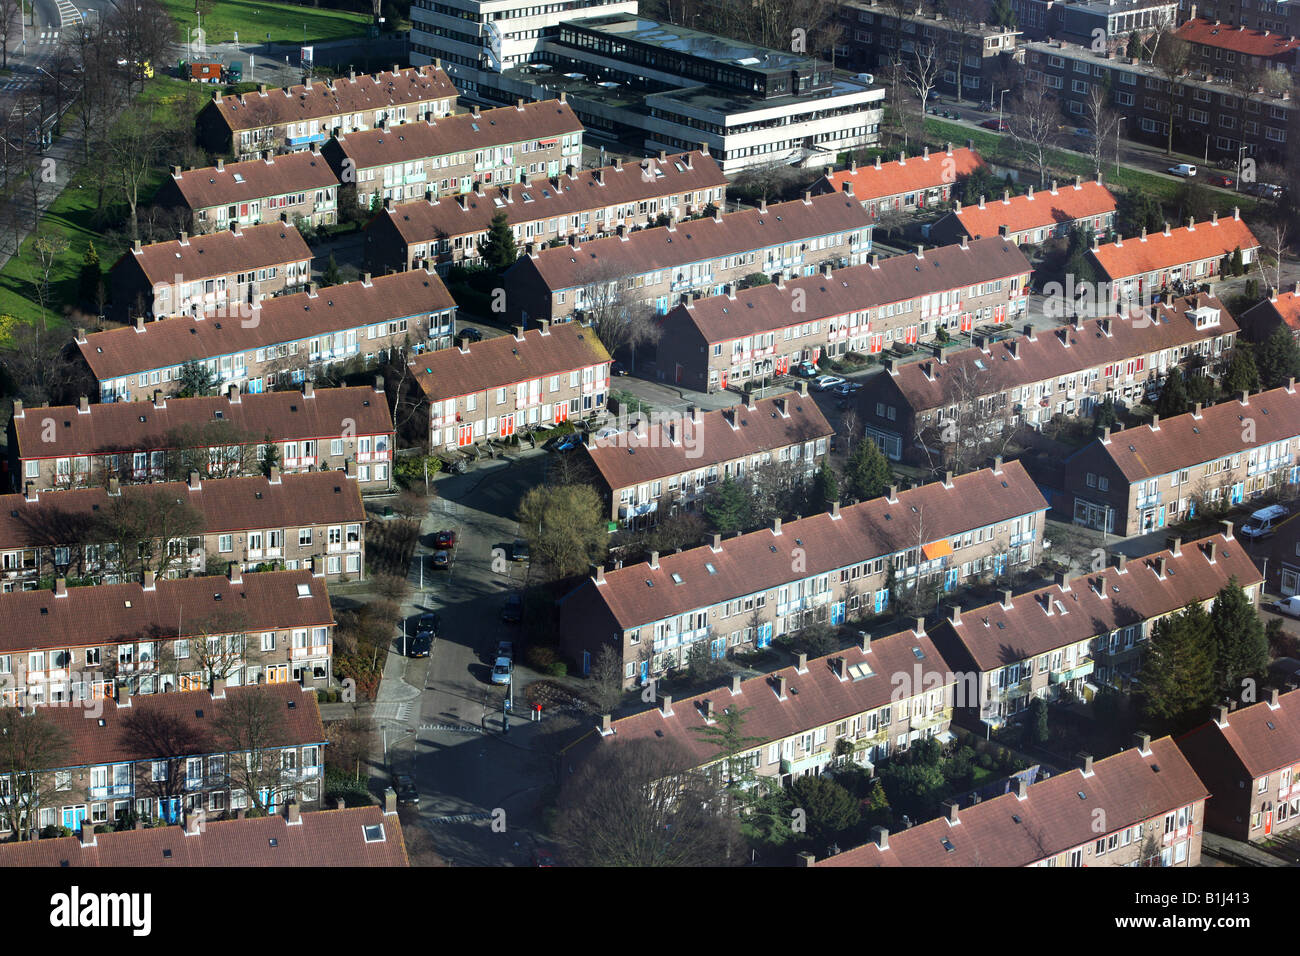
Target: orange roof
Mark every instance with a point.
(906, 175)
(1238, 39)
(1285, 306)
(937, 549)
(1162, 250)
(1036, 210)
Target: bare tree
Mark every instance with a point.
(30, 745)
(10, 11)
(973, 423)
(217, 650)
(609, 306)
(1275, 240)
(131, 155)
(42, 367)
(147, 531)
(1103, 122)
(923, 74)
(48, 246)
(142, 32)
(1035, 122)
(606, 679)
(166, 739)
(1171, 55)
(251, 730)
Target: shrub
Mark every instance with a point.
(540, 657)
(558, 669)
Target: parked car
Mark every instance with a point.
(844, 388)
(1083, 132)
(506, 649)
(428, 623)
(407, 794)
(1186, 170)
(804, 370)
(419, 644)
(1263, 522)
(998, 126)
(442, 560)
(474, 335)
(519, 551)
(823, 383)
(512, 612)
(501, 670)
(1289, 606)
(563, 442)
(1267, 190)
(444, 540)
(1219, 179)
(616, 368)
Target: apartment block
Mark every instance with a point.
(1031, 378)
(1250, 760)
(503, 385)
(446, 156)
(1150, 803)
(77, 446)
(1280, 308)
(585, 203)
(658, 468)
(69, 644)
(655, 266)
(717, 341)
(1032, 219)
(278, 342)
(230, 270)
(313, 521)
(119, 764)
(292, 118)
(1063, 641)
(828, 568)
(1226, 50)
(1078, 20)
(903, 185)
(292, 187)
(1140, 479)
(1281, 18)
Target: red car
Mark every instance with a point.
(444, 540)
(998, 126)
(1218, 179)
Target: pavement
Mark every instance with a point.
(1257, 857)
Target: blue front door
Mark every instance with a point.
(586, 663)
(950, 579)
(169, 809)
(718, 648)
(1000, 564)
(72, 817)
(764, 635)
(1160, 522)
(837, 613)
(1238, 493)
(645, 671)
(882, 600)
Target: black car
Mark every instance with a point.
(474, 335)
(512, 612)
(519, 551)
(617, 368)
(420, 645)
(407, 795)
(428, 622)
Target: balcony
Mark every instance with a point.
(313, 650)
(1063, 677)
(817, 756)
(305, 139)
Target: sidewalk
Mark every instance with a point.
(19, 206)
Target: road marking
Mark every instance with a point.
(460, 818)
(398, 712)
(452, 728)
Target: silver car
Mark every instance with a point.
(501, 671)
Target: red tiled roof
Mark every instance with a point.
(898, 177)
(325, 838)
(1239, 39)
(1284, 308)
(1207, 240)
(1263, 739)
(286, 318)
(1006, 831)
(220, 253)
(143, 426)
(1036, 210)
(504, 360)
(254, 179)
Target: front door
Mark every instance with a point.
(72, 817)
(764, 635)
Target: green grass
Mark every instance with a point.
(254, 20)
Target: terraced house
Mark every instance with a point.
(446, 156)
(659, 468)
(1064, 641)
(118, 767)
(76, 446)
(710, 343)
(655, 266)
(1031, 378)
(828, 568)
(586, 203)
(184, 528)
(1033, 218)
(503, 385)
(228, 271)
(903, 185)
(1280, 308)
(280, 341)
(1140, 479)
(70, 644)
(295, 186)
(293, 118)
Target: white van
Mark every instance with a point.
(1262, 523)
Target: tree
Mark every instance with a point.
(606, 677)
(564, 527)
(727, 507)
(42, 367)
(169, 739)
(142, 32)
(1138, 209)
(10, 11)
(1241, 648)
(923, 74)
(1103, 121)
(331, 275)
(1278, 358)
(1242, 374)
(217, 650)
(1036, 729)
(1002, 14)
(1171, 57)
(1134, 49)
(619, 320)
(825, 487)
(131, 155)
(138, 531)
(1173, 395)
(498, 251)
(831, 810)
(250, 729)
(725, 733)
(1178, 673)
(90, 277)
(195, 379)
(30, 744)
(1105, 416)
(1035, 122)
(49, 246)
(702, 665)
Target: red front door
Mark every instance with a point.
(464, 435)
(967, 321)
(507, 426)
(999, 314)
(909, 335)
(561, 412)
(877, 343)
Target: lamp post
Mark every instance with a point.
(1241, 150)
(1120, 120)
(1001, 102)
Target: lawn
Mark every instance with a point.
(253, 21)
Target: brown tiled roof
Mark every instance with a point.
(1033, 211)
(143, 426)
(227, 504)
(628, 459)
(1186, 440)
(370, 91)
(255, 179)
(760, 560)
(1046, 356)
(1099, 603)
(1238, 39)
(1263, 739)
(504, 360)
(108, 612)
(1138, 256)
(813, 699)
(895, 178)
(460, 133)
(326, 838)
(667, 247)
(894, 279)
(564, 195)
(221, 253)
(285, 318)
(1006, 831)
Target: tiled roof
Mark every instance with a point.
(220, 253)
(226, 504)
(667, 247)
(105, 613)
(424, 220)
(1095, 604)
(1036, 209)
(285, 318)
(143, 426)
(1186, 440)
(463, 132)
(813, 699)
(908, 175)
(504, 360)
(1206, 240)
(325, 838)
(370, 91)
(893, 279)
(1057, 814)
(636, 594)
(1284, 308)
(966, 373)
(1263, 739)
(628, 459)
(1239, 39)
(241, 182)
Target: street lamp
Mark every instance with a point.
(1001, 101)
(1240, 156)
(1120, 120)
